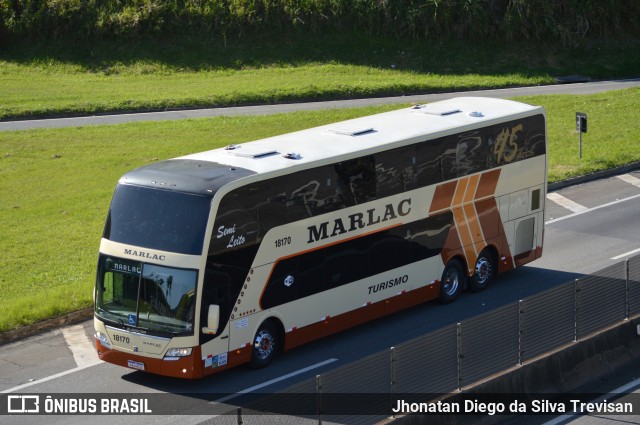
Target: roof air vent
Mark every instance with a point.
(255, 153)
(232, 147)
(292, 155)
(435, 109)
(351, 130)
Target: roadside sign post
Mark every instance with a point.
(581, 127)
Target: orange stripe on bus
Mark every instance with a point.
(442, 197)
(488, 184)
(472, 256)
(467, 222)
(471, 188)
(489, 217)
(460, 191)
(473, 223)
(463, 229)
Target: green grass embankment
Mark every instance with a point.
(43, 79)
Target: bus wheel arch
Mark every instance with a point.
(485, 269)
(453, 280)
(267, 343)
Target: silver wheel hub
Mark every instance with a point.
(451, 282)
(483, 270)
(264, 344)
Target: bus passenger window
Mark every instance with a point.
(395, 171)
(311, 193)
(471, 154)
(535, 199)
(357, 180)
(448, 165)
(429, 162)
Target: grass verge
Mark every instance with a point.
(75, 78)
(56, 184)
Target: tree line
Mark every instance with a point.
(569, 22)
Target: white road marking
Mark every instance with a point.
(592, 209)
(566, 202)
(84, 352)
(630, 179)
(273, 381)
(48, 378)
(620, 390)
(626, 254)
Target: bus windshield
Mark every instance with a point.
(157, 299)
(159, 219)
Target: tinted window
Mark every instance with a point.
(471, 154)
(356, 180)
(158, 219)
(312, 192)
(395, 171)
(339, 264)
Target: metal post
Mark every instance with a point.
(576, 286)
(240, 422)
(319, 398)
(520, 332)
(460, 355)
(627, 290)
(393, 379)
(580, 133)
(581, 127)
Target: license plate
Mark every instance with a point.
(135, 365)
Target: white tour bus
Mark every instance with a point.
(228, 256)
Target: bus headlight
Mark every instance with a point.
(178, 352)
(104, 341)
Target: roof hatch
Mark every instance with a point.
(436, 109)
(347, 130)
(251, 152)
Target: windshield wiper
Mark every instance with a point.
(111, 315)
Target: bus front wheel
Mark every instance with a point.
(452, 282)
(265, 345)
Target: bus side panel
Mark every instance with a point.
(360, 315)
(521, 203)
(360, 301)
(333, 310)
(240, 355)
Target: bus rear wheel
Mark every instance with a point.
(265, 345)
(485, 271)
(452, 282)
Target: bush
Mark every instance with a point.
(569, 21)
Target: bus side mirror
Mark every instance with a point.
(213, 320)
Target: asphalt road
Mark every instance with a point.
(577, 88)
(588, 229)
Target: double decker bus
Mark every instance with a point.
(229, 256)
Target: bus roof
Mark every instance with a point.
(365, 134)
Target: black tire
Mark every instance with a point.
(485, 271)
(452, 282)
(265, 345)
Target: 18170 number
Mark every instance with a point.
(283, 241)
